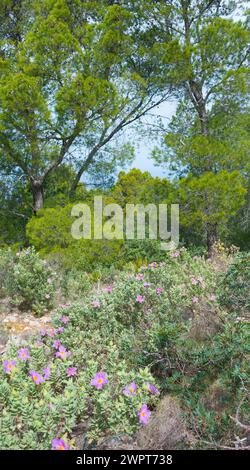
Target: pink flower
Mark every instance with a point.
(49, 280)
(57, 344)
(47, 296)
(37, 378)
(140, 299)
(194, 281)
(146, 284)
(71, 371)
(63, 353)
(46, 373)
(23, 354)
(60, 329)
(159, 290)
(152, 388)
(64, 319)
(212, 298)
(9, 366)
(43, 332)
(59, 444)
(108, 289)
(96, 304)
(195, 300)
(144, 414)
(175, 254)
(152, 265)
(130, 389)
(139, 277)
(52, 333)
(99, 380)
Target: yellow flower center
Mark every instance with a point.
(100, 381)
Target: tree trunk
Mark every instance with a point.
(212, 237)
(38, 196)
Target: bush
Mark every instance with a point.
(31, 282)
(235, 285)
(6, 268)
(75, 283)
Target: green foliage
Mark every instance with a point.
(29, 280)
(235, 285)
(75, 284)
(6, 269)
(211, 198)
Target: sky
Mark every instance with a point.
(144, 148)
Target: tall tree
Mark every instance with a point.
(71, 78)
(210, 79)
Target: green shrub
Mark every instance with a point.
(6, 268)
(74, 284)
(31, 282)
(235, 285)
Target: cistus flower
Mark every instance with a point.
(59, 444)
(146, 284)
(195, 300)
(140, 299)
(57, 344)
(152, 389)
(60, 329)
(8, 366)
(152, 265)
(71, 371)
(52, 333)
(96, 304)
(159, 290)
(49, 280)
(46, 373)
(37, 378)
(194, 281)
(130, 389)
(175, 254)
(43, 332)
(139, 277)
(62, 353)
(99, 380)
(64, 319)
(212, 297)
(23, 354)
(108, 289)
(144, 414)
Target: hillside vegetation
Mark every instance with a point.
(167, 343)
